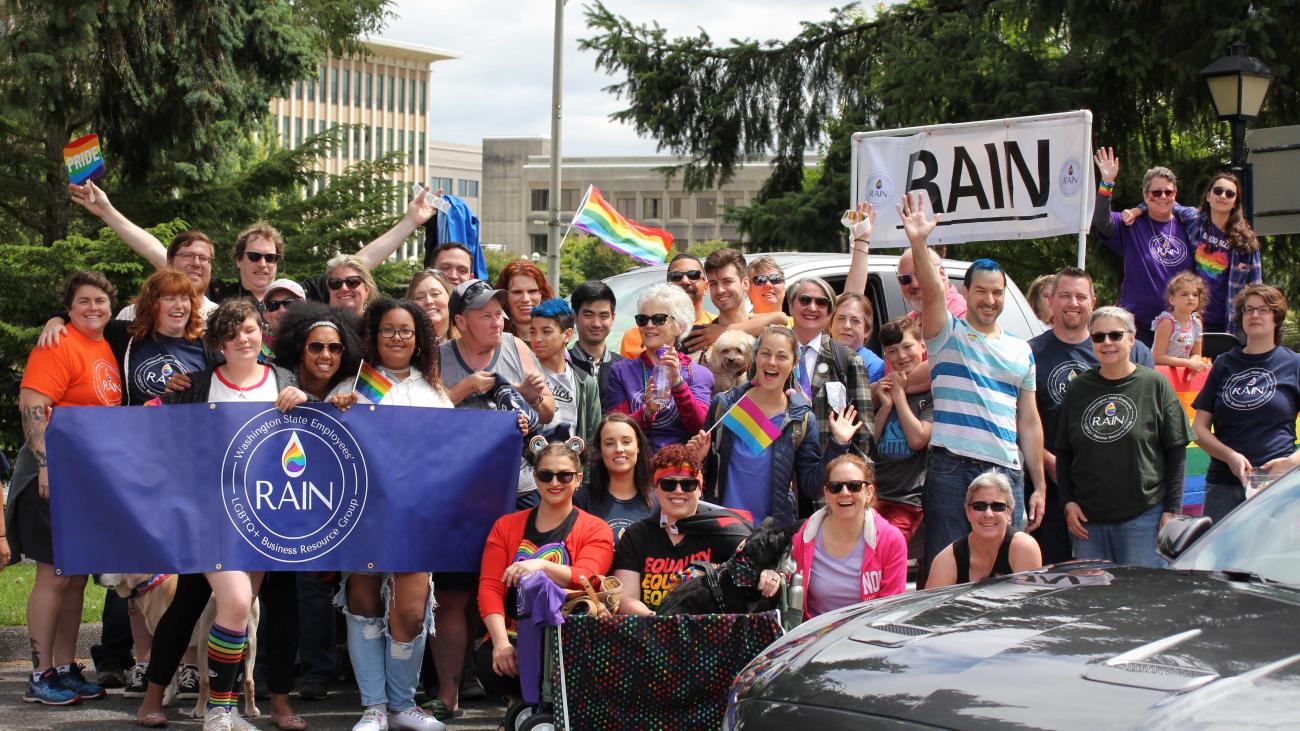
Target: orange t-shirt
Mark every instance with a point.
(632, 347)
(77, 372)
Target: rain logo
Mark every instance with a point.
(1108, 418)
(294, 459)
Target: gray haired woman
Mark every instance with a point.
(993, 547)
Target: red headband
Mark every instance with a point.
(681, 469)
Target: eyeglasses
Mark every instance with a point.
(905, 279)
(659, 319)
(807, 299)
(854, 486)
(189, 256)
(337, 283)
(1253, 310)
(1228, 193)
(316, 348)
(773, 279)
(390, 333)
(670, 485)
(1114, 335)
(693, 275)
(1161, 193)
(273, 305)
(980, 506)
(547, 476)
(256, 256)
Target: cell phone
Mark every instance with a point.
(681, 346)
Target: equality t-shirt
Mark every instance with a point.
(1254, 399)
(76, 372)
(1058, 363)
(1153, 251)
(646, 549)
(152, 361)
(900, 470)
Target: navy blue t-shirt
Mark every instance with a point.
(152, 361)
(1058, 362)
(1254, 399)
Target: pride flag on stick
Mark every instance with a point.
(371, 383)
(750, 424)
(598, 218)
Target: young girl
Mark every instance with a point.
(1178, 329)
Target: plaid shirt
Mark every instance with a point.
(1243, 269)
(856, 386)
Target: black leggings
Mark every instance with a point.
(279, 595)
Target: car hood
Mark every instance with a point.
(1079, 645)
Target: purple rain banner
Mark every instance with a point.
(205, 487)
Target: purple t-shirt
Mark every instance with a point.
(626, 385)
(1153, 252)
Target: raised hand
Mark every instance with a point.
(845, 424)
(90, 197)
(1107, 164)
(915, 224)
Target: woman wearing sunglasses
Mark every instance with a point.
(664, 313)
(846, 552)
(349, 283)
(553, 537)
(1123, 420)
(993, 547)
(319, 349)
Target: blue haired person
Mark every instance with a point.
(983, 381)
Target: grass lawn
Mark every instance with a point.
(16, 584)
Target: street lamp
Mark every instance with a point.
(1238, 83)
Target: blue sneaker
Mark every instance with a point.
(73, 680)
(48, 690)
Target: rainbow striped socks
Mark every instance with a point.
(225, 650)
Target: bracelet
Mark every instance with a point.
(865, 250)
(1104, 184)
(1103, 191)
(537, 403)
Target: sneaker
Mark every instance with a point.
(187, 683)
(136, 683)
(471, 689)
(48, 690)
(239, 723)
(310, 689)
(372, 719)
(73, 680)
(110, 678)
(216, 719)
(415, 719)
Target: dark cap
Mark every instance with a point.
(471, 294)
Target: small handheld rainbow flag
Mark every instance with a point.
(371, 383)
(643, 243)
(83, 159)
(751, 425)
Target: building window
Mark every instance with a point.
(391, 147)
(311, 90)
(284, 132)
(444, 183)
(297, 128)
(334, 85)
(297, 90)
(626, 206)
(706, 207)
(422, 146)
(370, 90)
(678, 206)
(411, 84)
(541, 199)
(356, 143)
(539, 243)
(569, 198)
(356, 85)
(370, 133)
(410, 146)
(379, 91)
(379, 143)
(733, 202)
(324, 83)
(424, 98)
(467, 188)
(650, 207)
(401, 96)
(311, 127)
(392, 87)
(347, 87)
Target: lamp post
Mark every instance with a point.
(1238, 83)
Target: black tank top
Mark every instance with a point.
(1001, 564)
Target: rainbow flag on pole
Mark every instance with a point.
(751, 425)
(643, 243)
(372, 384)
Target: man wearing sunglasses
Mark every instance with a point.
(1154, 248)
(685, 271)
(728, 287)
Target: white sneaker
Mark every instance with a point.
(216, 720)
(372, 719)
(415, 719)
(239, 723)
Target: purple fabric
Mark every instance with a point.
(539, 606)
(1153, 253)
(626, 385)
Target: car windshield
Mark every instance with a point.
(1260, 537)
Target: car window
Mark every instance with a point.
(1262, 536)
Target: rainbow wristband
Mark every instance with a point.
(1103, 191)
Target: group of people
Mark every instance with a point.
(998, 454)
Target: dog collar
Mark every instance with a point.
(148, 584)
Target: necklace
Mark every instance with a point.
(242, 391)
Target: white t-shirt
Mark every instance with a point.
(565, 390)
(222, 391)
(414, 391)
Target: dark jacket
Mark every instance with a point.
(588, 405)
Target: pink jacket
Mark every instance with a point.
(884, 562)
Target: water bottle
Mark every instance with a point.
(660, 382)
(793, 613)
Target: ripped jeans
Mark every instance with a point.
(387, 671)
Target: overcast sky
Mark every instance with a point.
(501, 87)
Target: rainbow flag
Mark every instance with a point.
(83, 159)
(371, 383)
(643, 243)
(751, 425)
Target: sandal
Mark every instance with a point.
(289, 723)
(153, 719)
(439, 710)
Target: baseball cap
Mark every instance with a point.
(470, 295)
(287, 285)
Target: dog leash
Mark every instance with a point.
(144, 587)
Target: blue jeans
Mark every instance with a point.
(387, 671)
(1129, 542)
(317, 653)
(943, 501)
(1222, 499)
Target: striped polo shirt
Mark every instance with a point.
(976, 380)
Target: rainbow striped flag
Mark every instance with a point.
(751, 425)
(83, 159)
(643, 243)
(372, 384)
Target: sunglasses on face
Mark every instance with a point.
(693, 275)
(1114, 335)
(905, 279)
(337, 283)
(762, 279)
(256, 256)
(1163, 193)
(547, 476)
(1225, 192)
(854, 486)
(685, 485)
(807, 299)
(316, 348)
(273, 305)
(980, 506)
(659, 320)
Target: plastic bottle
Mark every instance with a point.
(660, 382)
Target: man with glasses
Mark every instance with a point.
(729, 286)
(1061, 354)
(1154, 248)
(685, 271)
(983, 381)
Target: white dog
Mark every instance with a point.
(730, 359)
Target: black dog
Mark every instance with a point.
(732, 587)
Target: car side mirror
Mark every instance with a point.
(1180, 533)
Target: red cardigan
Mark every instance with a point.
(590, 544)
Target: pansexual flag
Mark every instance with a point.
(83, 159)
(751, 425)
(371, 383)
(643, 243)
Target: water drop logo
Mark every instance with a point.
(1110, 409)
(1253, 381)
(879, 184)
(294, 459)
